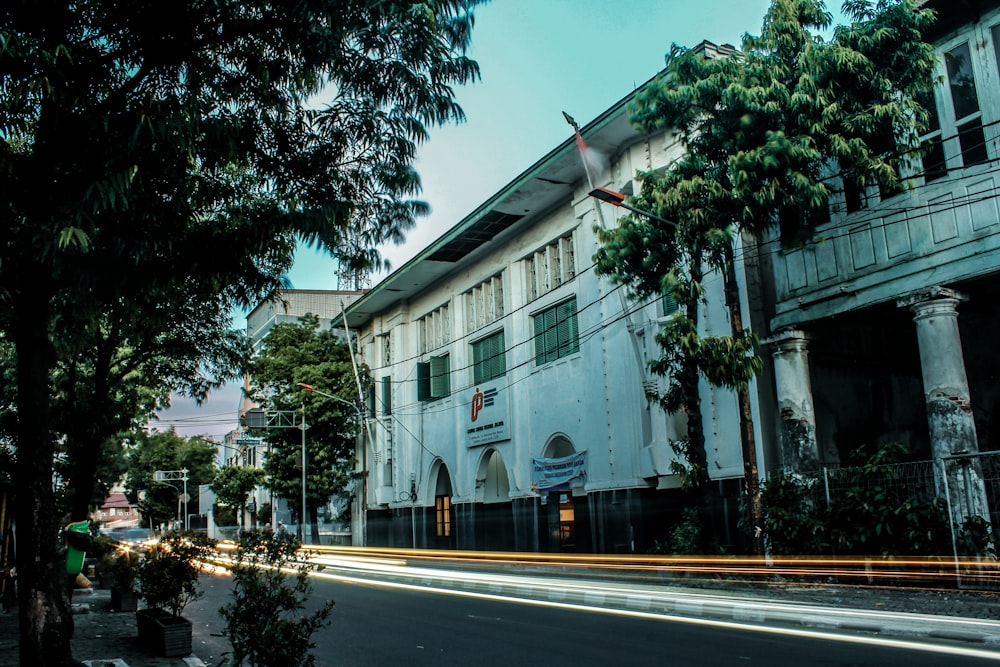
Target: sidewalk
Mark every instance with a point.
(102, 638)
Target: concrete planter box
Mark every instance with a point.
(166, 634)
(124, 599)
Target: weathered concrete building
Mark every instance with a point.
(884, 330)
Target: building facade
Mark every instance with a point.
(509, 408)
(510, 405)
(883, 331)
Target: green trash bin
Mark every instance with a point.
(78, 540)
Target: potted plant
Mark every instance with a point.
(168, 581)
(119, 571)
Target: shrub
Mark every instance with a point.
(265, 621)
(168, 575)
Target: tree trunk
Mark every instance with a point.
(43, 612)
(751, 483)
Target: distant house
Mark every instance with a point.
(117, 512)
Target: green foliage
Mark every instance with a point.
(265, 621)
(168, 574)
(687, 537)
(123, 566)
(793, 523)
(762, 130)
(225, 515)
(232, 484)
(184, 152)
(149, 452)
(975, 537)
(878, 513)
(302, 352)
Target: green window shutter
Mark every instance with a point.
(423, 381)
(440, 376)
(669, 304)
(488, 358)
(539, 339)
(478, 365)
(566, 329)
(499, 361)
(386, 395)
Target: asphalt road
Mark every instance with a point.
(374, 626)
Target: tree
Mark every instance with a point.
(302, 352)
(232, 485)
(763, 130)
(167, 451)
(145, 145)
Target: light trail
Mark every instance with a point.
(910, 573)
(713, 623)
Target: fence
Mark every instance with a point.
(968, 483)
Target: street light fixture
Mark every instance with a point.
(618, 199)
(181, 475)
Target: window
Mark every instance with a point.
(931, 143)
(488, 358)
(386, 350)
(484, 303)
(434, 329)
(434, 378)
(550, 267)
(442, 515)
(965, 104)
(669, 304)
(386, 395)
(556, 333)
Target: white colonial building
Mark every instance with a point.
(509, 400)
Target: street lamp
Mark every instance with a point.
(164, 476)
(309, 387)
(618, 199)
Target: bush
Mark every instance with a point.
(168, 575)
(263, 590)
(793, 524)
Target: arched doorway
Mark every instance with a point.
(493, 512)
(563, 513)
(442, 533)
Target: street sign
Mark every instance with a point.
(248, 441)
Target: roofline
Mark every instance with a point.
(486, 207)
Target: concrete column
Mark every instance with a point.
(950, 422)
(799, 449)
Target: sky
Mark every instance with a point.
(537, 58)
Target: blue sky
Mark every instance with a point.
(537, 58)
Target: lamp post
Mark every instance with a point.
(749, 447)
(164, 476)
(258, 418)
(361, 421)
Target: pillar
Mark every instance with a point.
(951, 426)
(799, 449)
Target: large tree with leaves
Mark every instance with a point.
(765, 130)
(304, 352)
(166, 450)
(233, 485)
(142, 144)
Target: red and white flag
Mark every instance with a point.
(594, 162)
